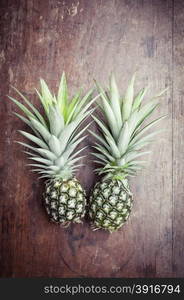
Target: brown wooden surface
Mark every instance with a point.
(88, 39)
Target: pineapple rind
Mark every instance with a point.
(110, 204)
(65, 201)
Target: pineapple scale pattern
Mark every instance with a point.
(64, 201)
(110, 204)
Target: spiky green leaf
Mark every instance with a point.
(35, 111)
(41, 129)
(56, 121)
(138, 99)
(34, 139)
(124, 138)
(46, 94)
(62, 95)
(55, 145)
(128, 100)
(115, 101)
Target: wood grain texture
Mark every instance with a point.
(88, 39)
(178, 138)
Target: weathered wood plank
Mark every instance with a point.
(178, 139)
(88, 39)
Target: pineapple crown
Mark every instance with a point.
(55, 135)
(123, 135)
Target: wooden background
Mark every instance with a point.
(88, 39)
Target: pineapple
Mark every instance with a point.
(53, 154)
(118, 150)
